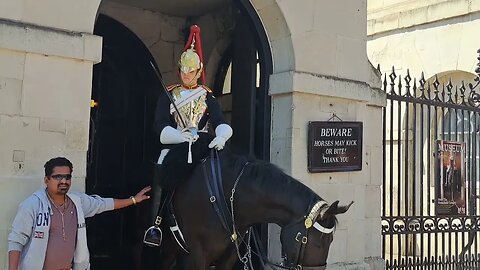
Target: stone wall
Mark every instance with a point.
(433, 38)
(330, 73)
(45, 84)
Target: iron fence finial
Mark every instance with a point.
(477, 70)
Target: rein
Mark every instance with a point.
(215, 191)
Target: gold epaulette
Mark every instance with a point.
(206, 88)
(173, 86)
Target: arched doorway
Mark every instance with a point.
(122, 145)
(242, 84)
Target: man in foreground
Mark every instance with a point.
(49, 229)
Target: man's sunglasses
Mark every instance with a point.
(60, 177)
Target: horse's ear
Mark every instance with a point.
(344, 208)
(334, 209)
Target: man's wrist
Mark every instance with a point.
(133, 200)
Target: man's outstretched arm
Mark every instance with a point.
(121, 203)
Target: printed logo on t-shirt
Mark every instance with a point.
(43, 219)
(81, 225)
(38, 234)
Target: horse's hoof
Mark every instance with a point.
(153, 237)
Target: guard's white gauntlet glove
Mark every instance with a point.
(188, 136)
(223, 132)
(217, 143)
(169, 135)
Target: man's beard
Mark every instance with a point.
(63, 189)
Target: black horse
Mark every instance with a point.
(261, 193)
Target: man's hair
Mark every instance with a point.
(56, 162)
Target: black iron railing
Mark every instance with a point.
(428, 221)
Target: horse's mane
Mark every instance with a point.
(275, 179)
(271, 177)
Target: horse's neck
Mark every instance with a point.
(281, 202)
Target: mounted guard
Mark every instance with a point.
(182, 118)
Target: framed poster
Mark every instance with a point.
(450, 178)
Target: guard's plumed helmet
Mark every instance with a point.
(192, 57)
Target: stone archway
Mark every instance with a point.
(278, 33)
(166, 62)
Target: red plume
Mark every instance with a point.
(195, 36)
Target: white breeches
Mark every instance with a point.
(163, 154)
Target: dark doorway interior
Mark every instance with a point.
(248, 60)
(242, 83)
(122, 144)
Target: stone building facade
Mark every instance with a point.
(48, 50)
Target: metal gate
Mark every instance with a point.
(430, 214)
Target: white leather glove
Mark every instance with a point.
(223, 132)
(188, 136)
(169, 135)
(218, 142)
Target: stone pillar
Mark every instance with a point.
(330, 74)
(47, 53)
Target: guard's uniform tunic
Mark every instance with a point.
(198, 111)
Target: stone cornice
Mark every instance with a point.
(311, 83)
(22, 37)
(401, 16)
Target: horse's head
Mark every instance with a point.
(305, 242)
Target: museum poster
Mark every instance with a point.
(450, 178)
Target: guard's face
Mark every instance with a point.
(189, 78)
(59, 181)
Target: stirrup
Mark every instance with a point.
(153, 236)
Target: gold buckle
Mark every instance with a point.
(234, 237)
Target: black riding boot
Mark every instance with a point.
(153, 235)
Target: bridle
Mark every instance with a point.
(301, 237)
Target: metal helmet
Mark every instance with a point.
(192, 58)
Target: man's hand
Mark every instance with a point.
(140, 197)
(217, 143)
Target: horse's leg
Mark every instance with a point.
(228, 259)
(168, 259)
(196, 260)
(166, 254)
